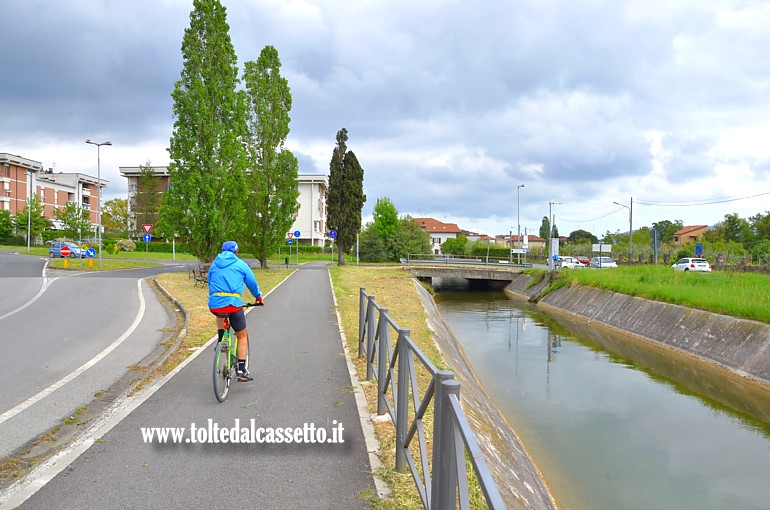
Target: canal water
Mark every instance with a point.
(612, 424)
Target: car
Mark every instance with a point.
(583, 259)
(602, 263)
(56, 246)
(570, 263)
(692, 264)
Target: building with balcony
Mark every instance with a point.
(21, 177)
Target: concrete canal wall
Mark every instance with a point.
(738, 345)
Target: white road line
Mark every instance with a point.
(43, 288)
(93, 361)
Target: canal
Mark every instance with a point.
(611, 423)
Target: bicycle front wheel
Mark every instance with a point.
(221, 371)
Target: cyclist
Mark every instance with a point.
(227, 276)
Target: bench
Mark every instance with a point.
(200, 274)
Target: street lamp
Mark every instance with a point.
(518, 219)
(99, 186)
(29, 212)
(630, 227)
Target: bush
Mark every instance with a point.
(126, 245)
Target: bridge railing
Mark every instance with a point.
(442, 484)
(450, 260)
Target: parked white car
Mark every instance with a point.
(692, 264)
(570, 262)
(602, 262)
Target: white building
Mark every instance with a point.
(311, 216)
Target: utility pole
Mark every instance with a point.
(630, 228)
(550, 232)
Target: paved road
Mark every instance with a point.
(52, 324)
(300, 376)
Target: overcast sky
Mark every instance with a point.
(449, 105)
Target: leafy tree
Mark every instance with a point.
(409, 238)
(385, 218)
(272, 202)
(32, 209)
(76, 222)
(582, 237)
(373, 248)
(345, 197)
(760, 223)
(115, 216)
(733, 228)
(455, 246)
(545, 229)
(146, 202)
(667, 228)
(6, 225)
(205, 203)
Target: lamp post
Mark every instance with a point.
(99, 186)
(518, 220)
(29, 212)
(630, 227)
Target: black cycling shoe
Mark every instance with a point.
(244, 375)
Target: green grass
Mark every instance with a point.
(745, 295)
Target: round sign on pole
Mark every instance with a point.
(296, 233)
(291, 241)
(90, 253)
(333, 234)
(65, 251)
(147, 238)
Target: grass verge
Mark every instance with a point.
(744, 295)
(393, 289)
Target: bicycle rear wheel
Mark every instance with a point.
(222, 372)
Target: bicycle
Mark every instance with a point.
(225, 363)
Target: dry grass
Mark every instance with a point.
(393, 289)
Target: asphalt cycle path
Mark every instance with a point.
(70, 342)
(301, 382)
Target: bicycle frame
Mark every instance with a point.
(224, 369)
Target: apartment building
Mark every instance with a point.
(21, 177)
(311, 216)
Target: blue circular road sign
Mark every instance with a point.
(296, 233)
(90, 253)
(333, 234)
(291, 241)
(147, 238)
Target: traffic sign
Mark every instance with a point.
(147, 238)
(296, 234)
(90, 253)
(291, 234)
(147, 227)
(65, 251)
(333, 234)
(291, 241)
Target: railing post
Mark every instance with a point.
(442, 440)
(371, 330)
(402, 399)
(361, 319)
(371, 319)
(382, 363)
(371, 342)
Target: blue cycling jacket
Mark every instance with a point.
(227, 275)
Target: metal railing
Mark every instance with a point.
(444, 486)
(451, 260)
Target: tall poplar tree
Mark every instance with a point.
(345, 198)
(272, 183)
(205, 202)
(146, 202)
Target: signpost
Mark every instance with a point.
(332, 236)
(65, 250)
(296, 235)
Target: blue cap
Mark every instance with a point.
(230, 246)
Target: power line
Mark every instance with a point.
(594, 219)
(711, 202)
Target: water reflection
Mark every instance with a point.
(614, 424)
